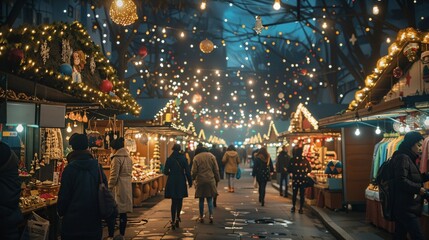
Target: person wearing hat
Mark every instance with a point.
(177, 170)
(77, 203)
(121, 167)
(283, 160)
(408, 187)
(10, 189)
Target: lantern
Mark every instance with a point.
(206, 46)
(106, 86)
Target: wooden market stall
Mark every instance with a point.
(322, 149)
(395, 99)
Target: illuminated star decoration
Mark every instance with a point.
(353, 39)
(258, 25)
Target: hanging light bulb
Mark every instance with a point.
(19, 128)
(203, 5)
(276, 5)
(69, 129)
(375, 10)
(378, 130)
(74, 124)
(357, 131)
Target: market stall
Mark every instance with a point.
(394, 101)
(322, 149)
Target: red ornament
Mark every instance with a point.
(15, 56)
(143, 51)
(397, 72)
(106, 86)
(304, 71)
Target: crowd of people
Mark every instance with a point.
(203, 169)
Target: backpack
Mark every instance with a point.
(385, 182)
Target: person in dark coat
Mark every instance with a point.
(262, 170)
(218, 154)
(77, 203)
(282, 163)
(299, 167)
(10, 189)
(177, 170)
(408, 187)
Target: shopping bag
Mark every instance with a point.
(238, 175)
(38, 228)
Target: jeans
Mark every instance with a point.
(301, 195)
(111, 221)
(209, 203)
(176, 208)
(262, 186)
(283, 176)
(411, 225)
(230, 177)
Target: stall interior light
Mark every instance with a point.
(357, 131)
(377, 130)
(19, 128)
(69, 129)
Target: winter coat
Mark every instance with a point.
(78, 199)
(205, 172)
(262, 168)
(231, 160)
(300, 168)
(10, 189)
(121, 167)
(177, 170)
(218, 155)
(282, 163)
(407, 183)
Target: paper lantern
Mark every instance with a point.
(15, 57)
(206, 46)
(66, 69)
(143, 51)
(106, 86)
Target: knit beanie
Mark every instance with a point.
(410, 139)
(78, 141)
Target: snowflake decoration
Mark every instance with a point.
(92, 65)
(66, 51)
(44, 51)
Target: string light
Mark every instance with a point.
(203, 5)
(19, 128)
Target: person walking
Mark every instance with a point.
(262, 170)
(205, 172)
(10, 188)
(77, 203)
(121, 167)
(177, 170)
(408, 187)
(218, 155)
(299, 168)
(282, 163)
(231, 160)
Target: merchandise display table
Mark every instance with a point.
(326, 197)
(147, 188)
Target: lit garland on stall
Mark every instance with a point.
(295, 120)
(31, 66)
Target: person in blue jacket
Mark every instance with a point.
(10, 189)
(78, 195)
(177, 170)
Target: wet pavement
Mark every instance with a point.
(239, 216)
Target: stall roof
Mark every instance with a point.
(161, 130)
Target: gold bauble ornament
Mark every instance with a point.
(206, 46)
(123, 12)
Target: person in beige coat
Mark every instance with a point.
(205, 172)
(230, 161)
(120, 185)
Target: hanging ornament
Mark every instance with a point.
(44, 51)
(84, 118)
(92, 65)
(66, 69)
(123, 12)
(258, 25)
(15, 57)
(66, 51)
(106, 86)
(397, 72)
(206, 46)
(410, 51)
(143, 51)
